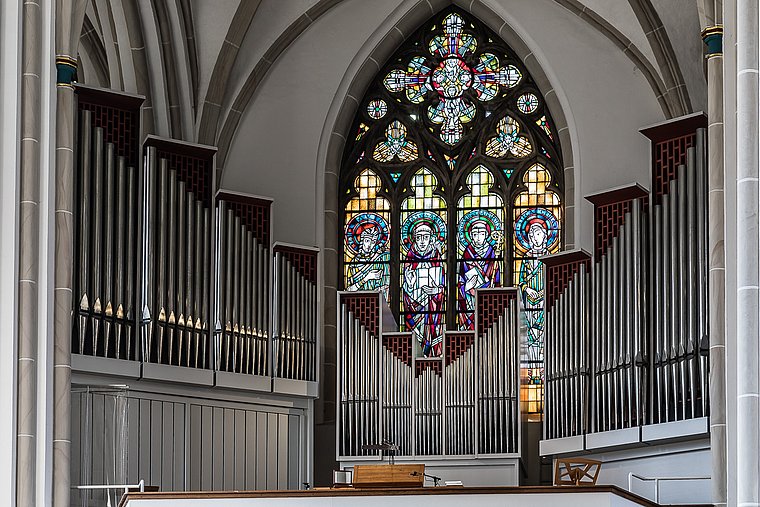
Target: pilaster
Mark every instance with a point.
(747, 256)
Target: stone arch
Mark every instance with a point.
(361, 72)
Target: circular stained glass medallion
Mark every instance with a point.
(527, 103)
(377, 108)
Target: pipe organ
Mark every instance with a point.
(172, 273)
(460, 391)
(177, 239)
(626, 341)
(463, 404)
(295, 313)
(497, 347)
(106, 231)
(243, 258)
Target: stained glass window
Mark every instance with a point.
(527, 103)
(537, 216)
(448, 150)
(377, 108)
(423, 262)
(366, 239)
(480, 243)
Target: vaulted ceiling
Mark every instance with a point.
(239, 73)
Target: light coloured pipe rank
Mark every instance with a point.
(86, 158)
(191, 241)
(179, 295)
(130, 268)
(702, 263)
(97, 238)
(120, 278)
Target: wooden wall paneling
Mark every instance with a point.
(178, 458)
(196, 446)
(133, 440)
(262, 422)
(229, 448)
(294, 452)
(250, 450)
(180, 445)
(156, 442)
(98, 441)
(166, 447)
(109, 440)
(145, 440)
(239, 448)
(217, 461)
(76, 440)
(207, 448)
(282, 451)
(271, 451)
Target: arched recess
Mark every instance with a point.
(452, 101)
(393, 33)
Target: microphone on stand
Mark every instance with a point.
(436, 480)
(387, 446)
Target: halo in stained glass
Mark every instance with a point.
(527, 103)
(539, 216)
(377, 108)
(426, 218)
(491, 221)
(363, 222)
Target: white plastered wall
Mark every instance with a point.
(605, 98)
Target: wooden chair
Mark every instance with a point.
(576, 472)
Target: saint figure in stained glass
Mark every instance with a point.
(367, 239)
(480, 234)
(423, 280)
(536, 230)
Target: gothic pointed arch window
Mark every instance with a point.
(451, 182)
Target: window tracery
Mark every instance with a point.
(451, 183)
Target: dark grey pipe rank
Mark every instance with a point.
(243, 280)
(176, 233)
(295, 318)
(105, 230)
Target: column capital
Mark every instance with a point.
(713, 39)
(66, 69)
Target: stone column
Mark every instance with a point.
(10, 134)
(28, 259)
(747, 256)
(712, 35)
(68, 25)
